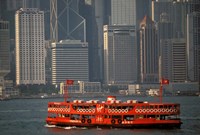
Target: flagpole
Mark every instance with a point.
(66, 93)
(161, 92)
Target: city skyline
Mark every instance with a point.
(175, 23)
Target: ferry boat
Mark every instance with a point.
(114, 113)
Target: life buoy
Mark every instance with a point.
(83, 120)
(89, 121)
(113, 121)
(119, 121)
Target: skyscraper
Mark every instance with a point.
(119, 57)
(123, 12)
(148, 51)
(69, 61)
(179, 61)
(165, 35)
(176, 11)
(4, 48)
(30, 46)
(193, 45)
(65, 21)
(4, 53)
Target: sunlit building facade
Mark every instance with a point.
(30, 46)
(119, 54)
(148, 51)
(69, 61)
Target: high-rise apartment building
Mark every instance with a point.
(119, 54)
(148, 51)
(30, 46)
(69, 61)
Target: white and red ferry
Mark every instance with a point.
(114, 113)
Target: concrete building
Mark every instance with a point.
(179, 61)
(69, 61)
(165, 35)
(193, 43)
(176, 10)
(30, 46)
(120, 54)
(148, 51)
(4, 53)
(4, 48)
(123, 12)
(81, 87)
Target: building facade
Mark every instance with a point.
(4, 48)
(193, 45)
(30, 46)
(165, 34)
(4, 54)
(179, 61)
(120, 54)
(122, 12)
(148, 51)
(69, 61)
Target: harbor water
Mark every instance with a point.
(27, 117)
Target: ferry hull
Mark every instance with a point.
(134, 124)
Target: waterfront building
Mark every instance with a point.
(148, 51)
(4, 53)
(4, 48)
(179, 61)
(30, 46)
(120, 62)
(69, 61)
(193, 42)
(165, 34)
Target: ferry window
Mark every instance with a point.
(160, 106)
(169, 106)
(118, 107)
(116, 116)
(129, 117)
(75, 117)
(165, 106)
(151, 116)
(66, 115)
(151, 107)
(140, 116)
(52, 115)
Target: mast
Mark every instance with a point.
(68, 83)
(162, 82)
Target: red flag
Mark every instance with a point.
(165, 81)
(69, 82)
